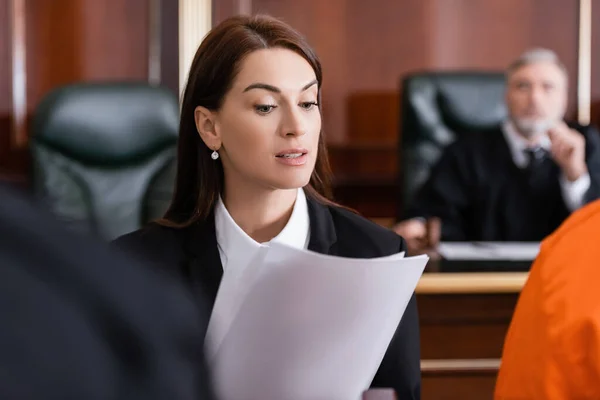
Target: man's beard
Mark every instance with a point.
(531, 127)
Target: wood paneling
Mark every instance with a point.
(466, 327)
(222, 9)
(169, 73)
(366, 49)
(473, 386)
(90, 41)
(363, 49)
(82, 40)
(5, 81)
(490, 34)
(362, 180)
(5, 59)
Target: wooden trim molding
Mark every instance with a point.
(471, 282)
(195, 20)
(584, 60)
(154, 42)
(19, 74)
(461, 365)
(244, 7)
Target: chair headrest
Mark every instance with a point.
(463, 101)
(107, 123)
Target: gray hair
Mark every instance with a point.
(535, 56)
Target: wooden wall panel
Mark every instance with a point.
(462, 331)
(82, 40)
(89, 41)
(476, 385)
(5, 81)
(170, 45)
(222, 9)
(366, 49)
(363, 50)
(555, 25)
(488, 35)
(5, 69)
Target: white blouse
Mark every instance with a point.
(238, 251)
(236, 248)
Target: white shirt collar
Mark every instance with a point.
(234, 243)
(517, 144)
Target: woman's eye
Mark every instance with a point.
(264, 108)
(308, 105)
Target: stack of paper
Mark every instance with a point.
(301, 325)
(511, 251)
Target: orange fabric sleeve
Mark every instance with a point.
(552, 348)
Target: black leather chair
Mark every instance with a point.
(103, 155)
(436, 107)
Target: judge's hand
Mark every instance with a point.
(568, 150)
(421, 236)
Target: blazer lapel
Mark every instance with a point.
(204, 266)
(204, 269)
(322, 228)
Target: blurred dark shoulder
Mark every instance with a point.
(86, 314)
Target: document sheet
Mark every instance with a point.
(299, 325)
(511, 251)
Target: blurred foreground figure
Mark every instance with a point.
(78, 322)
(552, 349)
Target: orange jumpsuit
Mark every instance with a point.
(552, 349)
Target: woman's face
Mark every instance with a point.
(268, 127)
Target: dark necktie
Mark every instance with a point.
(535, 156)
(535, 171)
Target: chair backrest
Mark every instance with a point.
(104, 155)
(436, 108)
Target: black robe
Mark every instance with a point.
(481, 195)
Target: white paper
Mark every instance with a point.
(232, 291)
(511, 251)
(312, 326)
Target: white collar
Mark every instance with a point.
(517, 144)
(234, 242)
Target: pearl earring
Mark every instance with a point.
(214, 155)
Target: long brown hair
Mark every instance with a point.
(199, 179)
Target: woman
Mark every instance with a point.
(252, 167)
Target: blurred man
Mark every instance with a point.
(552, 349)
(517, 182)
(78, 322)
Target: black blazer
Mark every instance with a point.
(192, 253)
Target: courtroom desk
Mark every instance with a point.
(465, 309)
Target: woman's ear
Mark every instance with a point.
(206, 126)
